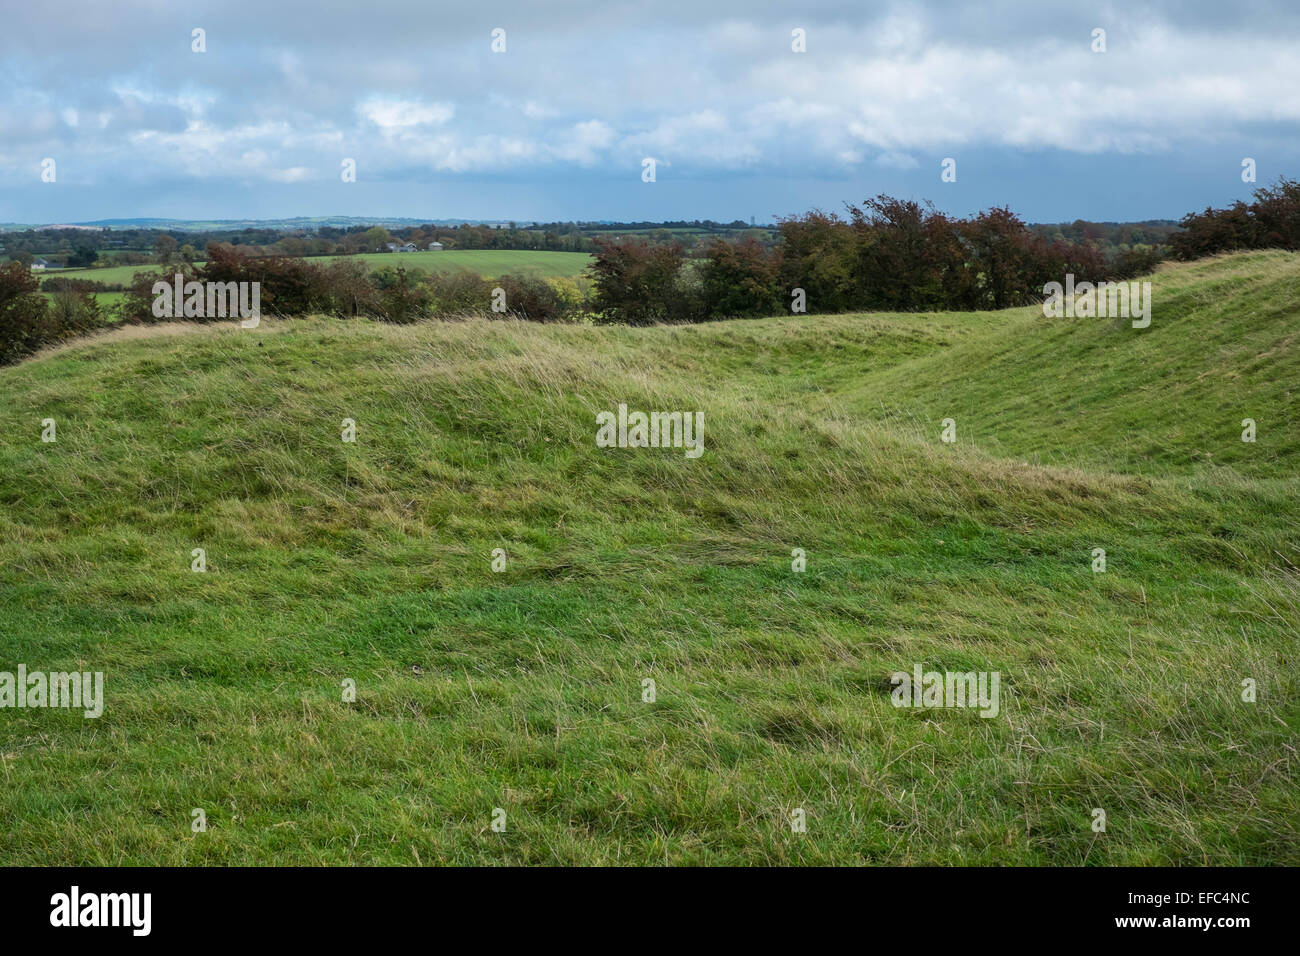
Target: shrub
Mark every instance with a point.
(530, 297)
(347, 289)
(63, 284)
(740, 279)
(288, 286)
(75, 312)
(1138, 261)
(1272, 221)
(137, 304)
(637, 283)
(1011, 263)
(574, 295)
(24, 321)
(1277, 214)
(27, 321)
(907, 256)
(405, 297)
(817, 256)
(460, 290)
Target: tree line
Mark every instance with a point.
(1270, 221)
(885, 254)
(888, 254)
(85, 247)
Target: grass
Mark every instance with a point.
(523, 689)
(490, 263)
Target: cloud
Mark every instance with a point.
(585, 143)
(287, 90)
(390, 114)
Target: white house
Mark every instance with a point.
(410, 247)
(39, 265)
(435, 246)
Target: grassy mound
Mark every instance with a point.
(522, 689)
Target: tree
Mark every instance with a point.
(164, 249)
(24, 322)
(287, 286)
(640, 284)
(83, 255)
(405, 298)
(740, 279)
(1272, 221)
(817, 256)
(905, 254)
(1002, 254)
(376, 237)
(348, 290)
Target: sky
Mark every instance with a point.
(558, 124)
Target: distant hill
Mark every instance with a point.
(218, 225)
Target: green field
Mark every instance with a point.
(110, 275)
(522, 690)
(489, 263)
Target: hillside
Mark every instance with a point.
(522, 689)
(1222, 346)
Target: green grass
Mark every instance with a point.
(109, 275)
(522, 690)
(489, 263)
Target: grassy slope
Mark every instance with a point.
(329, 561)
(1224, 348)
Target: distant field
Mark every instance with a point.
(487, 262)
(105, 298)
(111, 276)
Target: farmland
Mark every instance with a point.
(489, 263)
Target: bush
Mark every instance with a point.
(909, 256)
(24, 319)
(1138, 261)
(137, 303)
(1272, 221)
(62, 284)
(529, 297)
(817, 256)
(348, 291)
(1277, 216)
(1011, 263)
(574, 295)
(405, 297)
(460, 290)
(28, 322)
(637, 283)
(740, 279)
(288, 286)
(75, 312)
